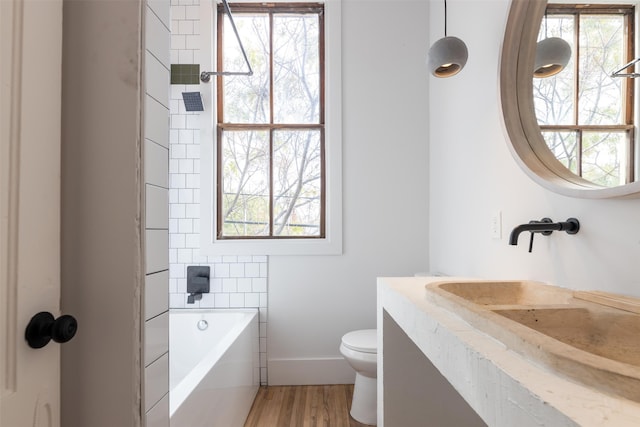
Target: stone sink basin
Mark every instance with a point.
(588, 337)
(504, 293)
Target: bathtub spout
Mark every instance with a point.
(192, 298)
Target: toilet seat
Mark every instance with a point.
(364, 341)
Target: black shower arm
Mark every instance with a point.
(205, 76)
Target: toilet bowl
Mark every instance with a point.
(360, 349)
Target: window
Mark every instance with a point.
(585, 115)
(270, 126)
(271, 146)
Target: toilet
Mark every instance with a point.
(360, 349)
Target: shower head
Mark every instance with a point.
(192, 101)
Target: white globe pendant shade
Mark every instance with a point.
(552, 55)
(447, 57)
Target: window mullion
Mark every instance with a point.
(628, 84)
(630, 170)
(576, 95)
(219, 66)
(271, 68)
(322, 69)
(219, 184)
(629, 22)
(271, 131)
(579, 153)
(576, 69)
(271, 195)
(218, 131)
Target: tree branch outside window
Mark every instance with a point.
(270, 130)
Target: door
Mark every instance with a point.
(31, 53)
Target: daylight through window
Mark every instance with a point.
(585, 115)
(270, 126)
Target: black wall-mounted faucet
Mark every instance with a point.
(545, 226)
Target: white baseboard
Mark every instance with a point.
(334, 370)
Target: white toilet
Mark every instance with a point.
(360, 349)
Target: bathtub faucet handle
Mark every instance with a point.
(197, 282)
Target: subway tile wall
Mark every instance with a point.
(156, 221)
(236, 281)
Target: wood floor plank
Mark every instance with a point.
(303, 406)
(297, 413)
(310, 408)
(276, 406)
(288, 399)
(340, 408)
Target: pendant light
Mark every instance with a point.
(552, 54)
(448, 55)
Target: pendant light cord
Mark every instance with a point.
(546, 24)
(445, 18)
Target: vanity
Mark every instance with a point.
(468, 352)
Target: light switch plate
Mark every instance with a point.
(496, 225)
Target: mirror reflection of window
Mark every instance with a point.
(585, 115)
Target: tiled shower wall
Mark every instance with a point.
(156, 153)
(236, 281)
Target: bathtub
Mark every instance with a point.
(213, 367)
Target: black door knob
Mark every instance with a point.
(43, 327)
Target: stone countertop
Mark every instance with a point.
(503, 387)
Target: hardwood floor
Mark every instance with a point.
(303, 406)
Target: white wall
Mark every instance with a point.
(472, 174)
(314, 300)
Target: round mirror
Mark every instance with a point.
(538, 154)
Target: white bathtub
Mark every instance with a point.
(214, 373)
